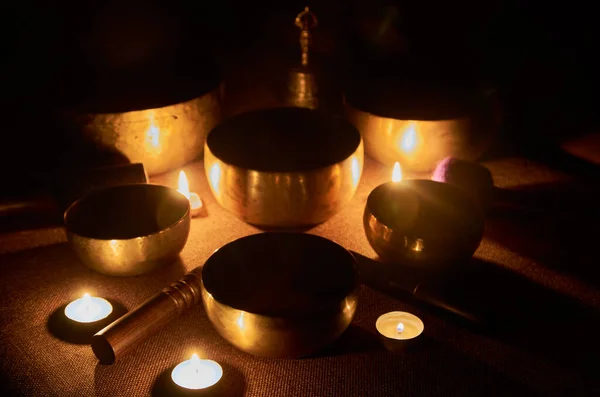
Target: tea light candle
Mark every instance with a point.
(196, 205)
(88, 309)
(399, 325)
(195, 374)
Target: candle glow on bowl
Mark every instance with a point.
(399, 325)
(183, 186)
(408, 141)
(197, 374)
(420, 120)
(88, 309)
(298, 168)
(422, 222)
(128, 230)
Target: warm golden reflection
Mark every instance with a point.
(114, 246)
(284, 199)
(153, 137)
(240, 321)
(356, 171)
(397, 173)
(408, 140)
(215, 178)
(417, 245)
(183, 186)
(418, 144)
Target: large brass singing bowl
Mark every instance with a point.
(130, 229)
(419, 129)
(417, 144)
(281, 295)
(153, 116)
(284, 167)
(162, 138)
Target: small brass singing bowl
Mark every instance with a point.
(283, 295)
(128, 230)
(284, 167)
(422, 223)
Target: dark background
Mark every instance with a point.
(537, 56)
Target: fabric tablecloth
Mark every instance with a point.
(40, 273)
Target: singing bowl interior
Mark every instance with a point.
(284, 167)
(128, 229)
(422, 223)
(280, 294)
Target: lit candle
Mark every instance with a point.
(88, 309)
(196, 205)
(399, 326)
(197, 374)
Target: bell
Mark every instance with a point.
(302, 87)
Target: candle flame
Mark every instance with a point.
(183, 186)
(195, 358)
(400, 327)
(397, 173)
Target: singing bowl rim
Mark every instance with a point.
(340, 119)
(439, 259)
(233, 246)
(133, 255)
(348, 106)
(100, 191)
(139, 96)
(337, 317)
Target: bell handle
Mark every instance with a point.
(305, 20)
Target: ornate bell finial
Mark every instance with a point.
(306, 20)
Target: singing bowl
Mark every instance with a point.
(156, 120)
(284, 167)
(422, 223)
(281, 295)
(420, 126)
(128, 230)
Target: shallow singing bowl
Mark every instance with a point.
(284, 167)
(422, 223)
(130, 229)
(280, 294)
